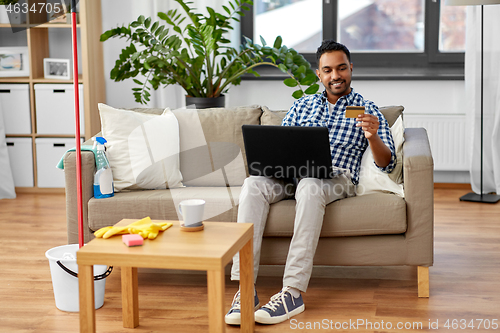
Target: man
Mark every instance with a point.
(349, 138)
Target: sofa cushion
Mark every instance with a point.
(373, 214)
(372, 179)
(381, 214)
(391, 113)
(211, 143)
(270, 117)
(220, 205)
(135, 151)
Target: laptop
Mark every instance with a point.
(288, 151)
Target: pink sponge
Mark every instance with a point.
(132, 240)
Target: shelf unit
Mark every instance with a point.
(92, 71)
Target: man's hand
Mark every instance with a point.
(381, 153)
(369, 124)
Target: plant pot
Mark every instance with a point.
(206, 102)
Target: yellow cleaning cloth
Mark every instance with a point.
(144, 227)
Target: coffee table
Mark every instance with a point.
(208, 250)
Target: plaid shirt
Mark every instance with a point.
(347, 142)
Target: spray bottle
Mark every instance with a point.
(103, 178)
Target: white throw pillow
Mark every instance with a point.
(142, 149)
(372, 179)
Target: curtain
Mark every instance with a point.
(491, 96)
(7, 190)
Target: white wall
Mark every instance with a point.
(418, 97)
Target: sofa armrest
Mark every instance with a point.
(88, 170)
(418, 170)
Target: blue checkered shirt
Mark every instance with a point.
(347, 142)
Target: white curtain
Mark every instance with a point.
(7, 190)
(491, 96)
(122, 12)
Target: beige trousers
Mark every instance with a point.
(311, 195)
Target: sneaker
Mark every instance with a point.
(281, 307)
(233, 317)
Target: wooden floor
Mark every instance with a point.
(464, 281)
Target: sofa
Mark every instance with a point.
(376, 229)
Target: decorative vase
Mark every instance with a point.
(206, 102)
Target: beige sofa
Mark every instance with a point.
(371, 230)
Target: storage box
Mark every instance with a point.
(48, 154)
(21, 161)
(15, 105)
(55, 109)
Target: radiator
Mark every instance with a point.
(448, 139)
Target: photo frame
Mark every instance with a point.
(56, 69)
(14, 61)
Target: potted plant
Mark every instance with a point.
(192, 50)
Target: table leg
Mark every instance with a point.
(86, 296)
(247, 287)
(130, 297)
(216, 285)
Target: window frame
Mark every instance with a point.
(430, 58)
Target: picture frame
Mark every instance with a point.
(14, 61)
(56, 69)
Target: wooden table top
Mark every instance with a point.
(211, 248)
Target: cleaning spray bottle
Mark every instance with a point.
(103, 178)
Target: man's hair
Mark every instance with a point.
(330, 45)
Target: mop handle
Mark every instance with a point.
(77, 125)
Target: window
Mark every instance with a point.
(388, 33)
(452, 29)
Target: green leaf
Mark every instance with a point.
(152, 58)
(159, 31)
(267, 51)
(283, 68)
(163, 16)
(290, 82)
(262, 41)
(155, 26)
(178, 30)
(106, 35)
(312, 89)
(278, 42)
(297, 94)
(248, 41)
(211, 11)
(289, 60)
(301, 69)
(309, 79)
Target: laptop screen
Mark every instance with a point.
(288, 151)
